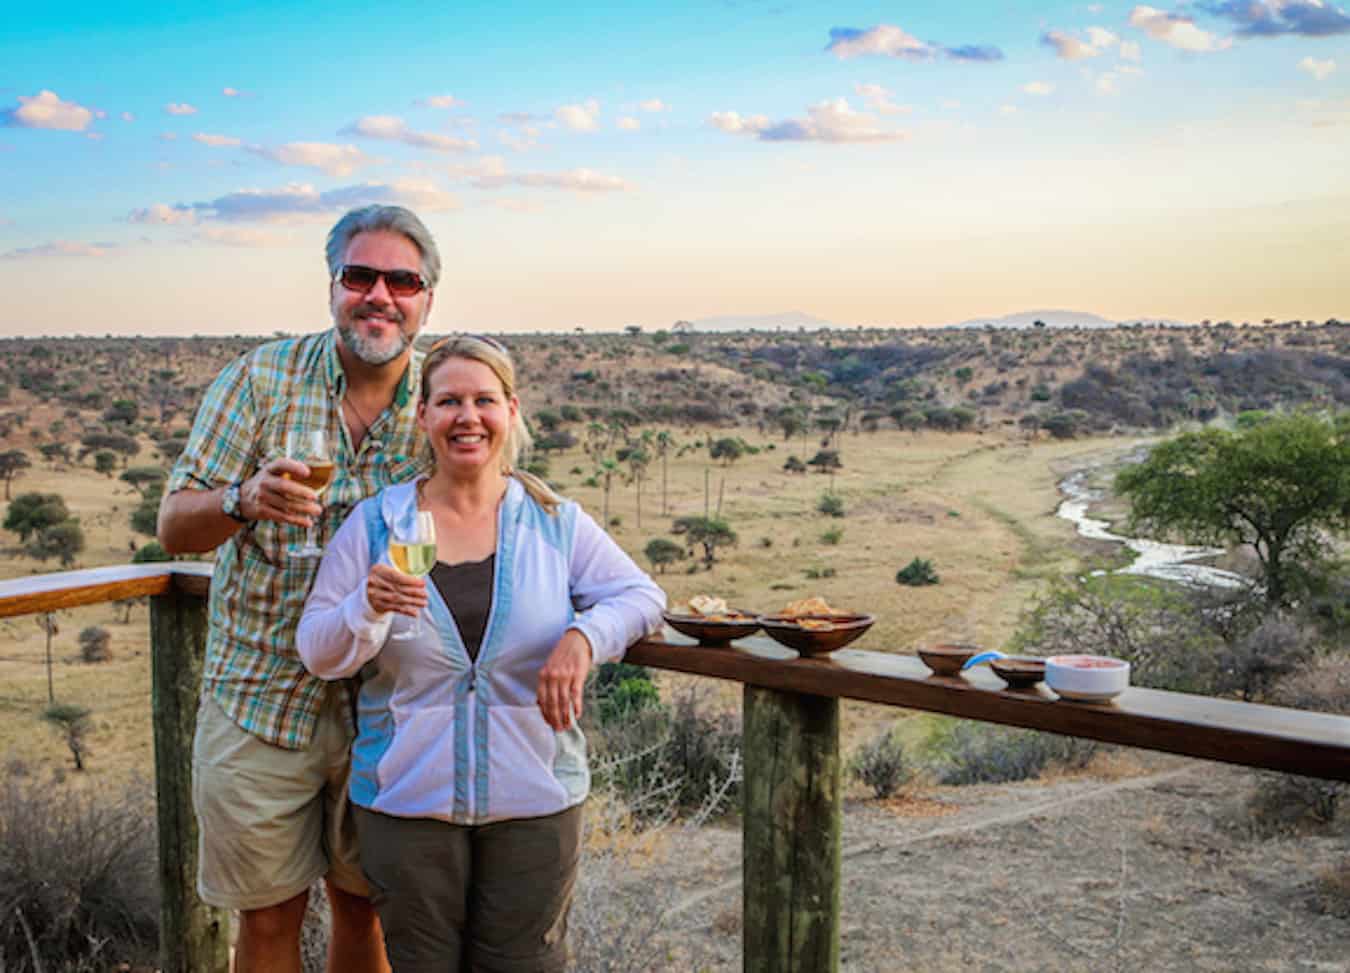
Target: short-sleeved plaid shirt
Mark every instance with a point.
(257, 589)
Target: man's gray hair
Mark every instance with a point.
(373, 218)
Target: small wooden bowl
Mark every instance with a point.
(947, 660)
(709, 632)
(1019, 672)
(789, 631)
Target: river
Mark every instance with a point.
(1171, 562)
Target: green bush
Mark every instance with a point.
(831, 504)
(832, 536)
(880, 764)
(628, 697)
(917, 573)
(985, 753)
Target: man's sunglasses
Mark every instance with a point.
(362, 280)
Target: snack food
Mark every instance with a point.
(808, 606)
(706, 605)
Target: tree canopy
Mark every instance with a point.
(1280, 486)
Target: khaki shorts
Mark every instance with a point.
(271, 821)
(491, 898)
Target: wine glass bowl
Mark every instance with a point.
(412, 550)
(311, 447)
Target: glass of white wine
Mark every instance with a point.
(412, 548)
(310, 446)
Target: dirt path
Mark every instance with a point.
(1148, 873)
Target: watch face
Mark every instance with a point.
(229, 503)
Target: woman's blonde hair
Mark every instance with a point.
(494, 355)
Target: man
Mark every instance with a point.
(271, 752)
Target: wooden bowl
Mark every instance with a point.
(1019, 672)
(710, 632)
(833, 631)
(947, 660)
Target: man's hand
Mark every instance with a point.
(273, 493)
(390, 590)
(563, 678)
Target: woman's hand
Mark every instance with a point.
(390, 590)
(563, 678)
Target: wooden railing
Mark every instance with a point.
(792, 787)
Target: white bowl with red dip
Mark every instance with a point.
(1087, 678)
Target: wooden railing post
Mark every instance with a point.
(193, 937)
(791, 821)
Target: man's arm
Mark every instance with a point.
(192, 522)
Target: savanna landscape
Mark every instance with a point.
(913, 474)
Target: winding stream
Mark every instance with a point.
(1171, 562)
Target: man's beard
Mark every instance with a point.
(374, 351)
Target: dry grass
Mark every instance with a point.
(980, 506)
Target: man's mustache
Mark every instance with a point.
(376, 310)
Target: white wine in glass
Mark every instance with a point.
(310, 446)
(412, 548)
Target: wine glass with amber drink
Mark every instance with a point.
(311, 447)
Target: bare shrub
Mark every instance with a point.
(78, 888)
(1256, 659)
(95, 644)
(1333, 889)
(880, 764)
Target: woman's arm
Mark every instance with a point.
(339, 631)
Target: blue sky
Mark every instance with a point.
(607, 164)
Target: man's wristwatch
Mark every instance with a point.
(231, 505)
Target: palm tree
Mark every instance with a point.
(662, 445)
(606, 469)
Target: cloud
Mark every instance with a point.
(1176, 31)
(1273, 18)
(231, 92)
(216, 141)
(1106, 84)
(302, 201)
(46, 110)
(1071, 48)
(828, 121)
(526, 140)
(1038, 88)
(242, 236)
(439, 101)
(580, 118)
(393, 129)
(127, 116)
(161, 214)
(733, 123)
(1321, 70)
(179, 108)
(60, 248)
(887, 40)
(879, 100)
(520, 118)
(1007, 110)
(336, 160)
(1131, 51)
(491, 173)
(628, 124)
(653, 105)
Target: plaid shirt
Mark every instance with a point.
(257, 589)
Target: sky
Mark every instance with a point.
(600, 165)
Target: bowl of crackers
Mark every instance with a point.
(813, 627)
(708, 619)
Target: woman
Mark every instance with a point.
(469, 769)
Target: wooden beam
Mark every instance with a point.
(193, 937)
(41, 593)
(1271, 737)
(791, 822)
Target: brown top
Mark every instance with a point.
(466, 589)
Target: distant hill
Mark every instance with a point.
(784, 320)
(1057, 319)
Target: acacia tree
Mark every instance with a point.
(12, 463)
(709, 532)
(1281, 487)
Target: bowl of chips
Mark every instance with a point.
(812, 627)
(708, 619)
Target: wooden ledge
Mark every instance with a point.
(1271, 737)
(40, 593)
